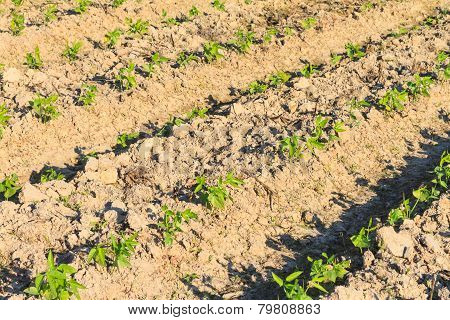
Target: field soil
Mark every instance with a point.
(287, 210)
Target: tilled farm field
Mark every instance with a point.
(224, 149)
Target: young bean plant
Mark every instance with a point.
(34, 61)
(394, 100)
(116, 253)
(88, 93)
(140, 27)
(219, 5)
(17, 24)
(44, 107)
(420, 86)
(172, 221)
(50, 13)
(278, 78)
(51, 175)
(244, 40)
(354, 51)
(363, 240)
(9, 186)
(125, 139)
(215, 196)
(309, 23)
(82, 6)
(4, 118)
(126, 78)
(56, 283)
(112, 37)
(184, 58)
(212, 51)
(71, 51)
(155, 61)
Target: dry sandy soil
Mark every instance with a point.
(288, 209)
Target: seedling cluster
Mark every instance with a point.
(116, 253)
(323, 274)
(215, 196)
(56, 283)
(172, 221)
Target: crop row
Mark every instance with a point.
(44, 107)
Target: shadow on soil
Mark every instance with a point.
(335, 238)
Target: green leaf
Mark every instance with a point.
(293, 276)
(277, 279)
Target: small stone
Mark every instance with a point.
(398, 244)
(181, 131)
(91, 165)
(105, 164)
(238, 108)
(137, 221)
(368, 258)
(12, 75)
(30, 193)
(109, 176)
(63, 188)
(302, 83)
(430, 242)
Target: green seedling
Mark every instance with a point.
(247, 1)
(363, 240)
(356, 105)
(308, 23)
(112, 37)
(34, 61)
(155, 61)
(367, 6)
(172, 221)
(193, 12)
(71, 51)
(292, 146)
(335, 58)
(270, 34)
(243, 41)
(17, 24)
(337, 128)
(288, 31)
(56, 283)
(83, 6)
(216, 196)
(394, 100)
(441, 172)
(257, 87)
(4, 118)
(9, 186)
(326, 270)
(291, 287)
(139, 27)
(185, 58)
(126, 78)
(117, 253)
(405, 211)
(278, 78)
(420, 86)
(88, 93)
(441, 58)
(354, 51)
(17, 3)
(308, 70)
(122, 249)
(219, 5)
(400, 32)
(44, 107)
(125, 139)
(166, 130)
(51, 175)
(117, 3)
(197, 113)
(169, 21)
(50, 13)
(314, 141)
(188, 278)
(441, 65)
(212, 51)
